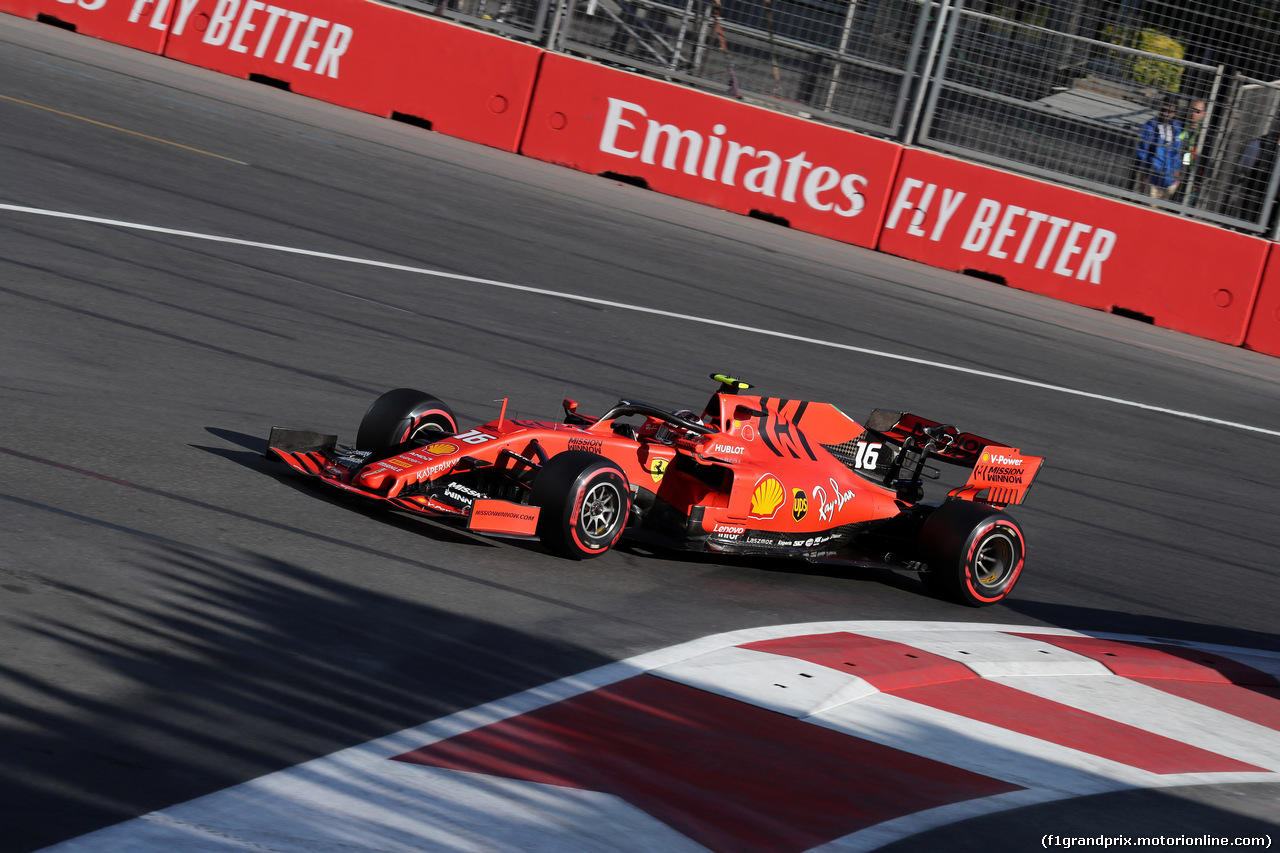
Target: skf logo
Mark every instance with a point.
(767, 497)
(657, 469)
(442, 448)
(799, 504)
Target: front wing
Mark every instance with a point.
(319, 455)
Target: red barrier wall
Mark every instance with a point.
(369, 57)
(353, 53)
(1074, 246)
(710, 149)
(1264, 326)
(1062, 243)
(132, 23)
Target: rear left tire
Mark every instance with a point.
(974, 553)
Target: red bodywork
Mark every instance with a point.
(761, 475)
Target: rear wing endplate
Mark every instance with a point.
(1004, 474)
(1001, 475)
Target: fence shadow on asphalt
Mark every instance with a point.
(226, 668)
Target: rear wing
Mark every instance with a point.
(1001, 475)
(951, 445)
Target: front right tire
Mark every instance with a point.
(402, 416)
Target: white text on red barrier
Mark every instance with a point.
(1007, 232)
(234, 25)
(716, 158)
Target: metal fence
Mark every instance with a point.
(1119, 98)
(526, 20)
(845, 63)
(1104, 116)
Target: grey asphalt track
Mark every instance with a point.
(180, 614)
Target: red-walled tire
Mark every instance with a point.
(401, 416)
(584, 501)
(974, 553)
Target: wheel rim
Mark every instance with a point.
(601, 508)
(994, 561)
(427, 430)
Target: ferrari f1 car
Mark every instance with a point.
(749, 475)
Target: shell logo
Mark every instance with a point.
(767, 497)
(441, 448)
(986, 457)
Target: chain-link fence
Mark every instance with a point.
(1162, 102)
(846, 63)
(1104, 115)
(1236, 164)
(526, 20)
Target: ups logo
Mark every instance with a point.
(799, 504)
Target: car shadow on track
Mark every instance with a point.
(1090, 619)
(254, 458)
(776, 566)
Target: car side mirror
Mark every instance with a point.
(571, 415)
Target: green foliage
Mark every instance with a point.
(1147, 70)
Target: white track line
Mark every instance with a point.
(590, 300)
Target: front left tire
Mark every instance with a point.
(584, 501)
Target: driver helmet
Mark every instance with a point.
(667, 432)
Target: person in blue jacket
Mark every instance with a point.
(1160, 153)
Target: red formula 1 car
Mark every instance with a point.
(748, 475)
